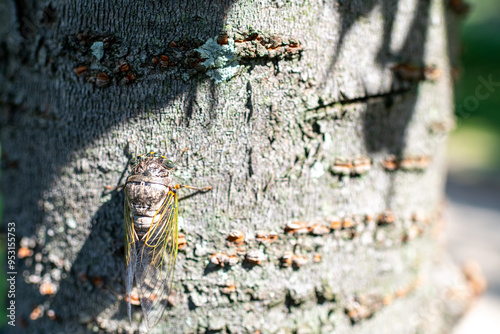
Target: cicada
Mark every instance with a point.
(151, 232)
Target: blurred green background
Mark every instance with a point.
(474, 147)
(473, 187)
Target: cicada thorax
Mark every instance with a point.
(147, 189)
(145, 200)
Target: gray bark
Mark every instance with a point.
(312, 85)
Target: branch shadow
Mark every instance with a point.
(97, 273)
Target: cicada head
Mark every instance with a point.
(153, 165)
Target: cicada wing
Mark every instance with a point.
(130, 251)
(155, 262)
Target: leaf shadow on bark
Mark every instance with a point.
(351, 12)
(385, 128)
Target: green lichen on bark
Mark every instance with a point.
(219, 60)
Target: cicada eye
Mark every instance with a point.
(169, 163)
(153, 154)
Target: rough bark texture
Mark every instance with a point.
(322, 121)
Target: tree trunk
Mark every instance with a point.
(320, 126)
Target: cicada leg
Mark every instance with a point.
(179, 186)
(118, 187)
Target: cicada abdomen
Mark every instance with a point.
(151, 232)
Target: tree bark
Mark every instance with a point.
(320, 125)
